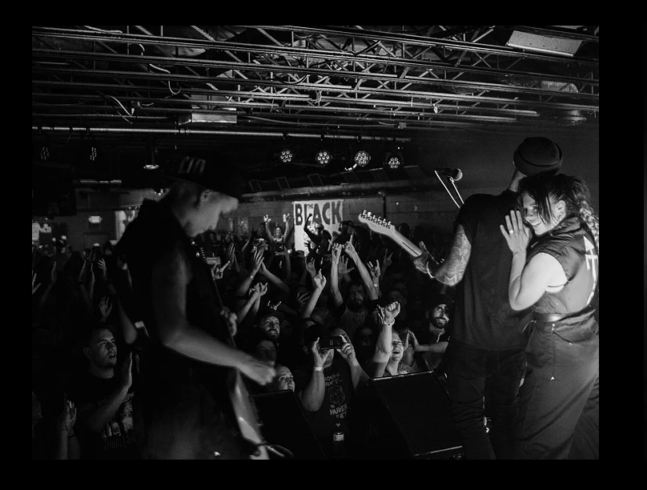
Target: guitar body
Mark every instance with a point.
(245, 413)
(244, 410)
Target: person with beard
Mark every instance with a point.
(434, 343)
(354, 309)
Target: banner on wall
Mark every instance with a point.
(328, 212)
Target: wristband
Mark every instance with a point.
(429, 273)
(320, 368)
(389, 324)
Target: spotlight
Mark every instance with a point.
(323, 157)
(362, 157)
(394, 159)
(286, 155)
(151, 167)
(44, 153)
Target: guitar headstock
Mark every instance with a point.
(377, 224)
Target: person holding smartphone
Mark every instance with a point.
(326, 385)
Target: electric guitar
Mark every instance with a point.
(384, 227)
(241, 401)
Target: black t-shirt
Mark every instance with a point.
(333, 414)
(169, 379)
(483, 317)
(117, 438)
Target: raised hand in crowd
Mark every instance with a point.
(311, 266)
(231, 256)
(104, 270)
(231, 319)
(34, 288)
(343, 268)
(376, 275)
(302, 299)
(67, 418)
(53, 274)
(388, 260)
(105, 307)
(127, 372)
(253, 302)
(66, 444)
(267, 218)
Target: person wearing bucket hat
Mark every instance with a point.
(183, 410)
(487, 334)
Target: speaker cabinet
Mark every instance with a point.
(406, 417)
(284, 424)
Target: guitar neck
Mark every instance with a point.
(405, 243)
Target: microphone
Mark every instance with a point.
(454, 173)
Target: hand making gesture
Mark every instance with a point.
(319, 281)
(347, 351)
(127, 372)
(105, 307)
(67, 418)
(318, 360)
(374, 270)
(388, 313)
(343, 266)
(104, 270)
(517, 235)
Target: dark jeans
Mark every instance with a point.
(559, 410)
(484, 383)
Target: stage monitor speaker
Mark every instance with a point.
(284, 424)
(407, 417)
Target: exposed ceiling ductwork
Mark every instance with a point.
(260, 82)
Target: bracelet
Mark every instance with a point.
(319, 368)
(389, 324)
(429, 273)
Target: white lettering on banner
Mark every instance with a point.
(327, 212)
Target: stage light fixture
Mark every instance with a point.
(394, 159)
(362, 158)
(323, 157)
(286, 155)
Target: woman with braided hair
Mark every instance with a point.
(557, 276)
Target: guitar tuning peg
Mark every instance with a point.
(388, 224)
(368, 213)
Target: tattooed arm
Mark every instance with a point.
(451, 271)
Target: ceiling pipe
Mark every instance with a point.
(213, 132)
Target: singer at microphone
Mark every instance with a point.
(454, 173)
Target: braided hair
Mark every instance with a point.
(543, 187)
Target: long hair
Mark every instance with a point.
(571, 190)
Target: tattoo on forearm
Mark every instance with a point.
(451, 272)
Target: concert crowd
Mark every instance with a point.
(291, 306)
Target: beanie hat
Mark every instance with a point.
(537, 155)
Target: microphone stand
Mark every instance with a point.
(451, 180)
